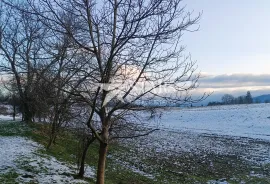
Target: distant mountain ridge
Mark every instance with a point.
(262, 98)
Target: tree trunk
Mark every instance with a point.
(103, 147)
(82, 161)
(53, 128)
(14, 112)
(28, 115)
(50, 141)
(52, 136)
(39, 118)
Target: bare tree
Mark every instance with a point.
(20, 47)
(228, 99)
(134, 57)
(40, 63)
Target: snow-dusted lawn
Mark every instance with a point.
(22, 156)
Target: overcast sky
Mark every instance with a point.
(234, 38)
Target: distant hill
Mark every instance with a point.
(262, 98)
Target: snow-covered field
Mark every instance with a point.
(194, 140)
(251, 121)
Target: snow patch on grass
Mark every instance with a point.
(20, 154)
(11, 148)
(217, 182)
(131, 167)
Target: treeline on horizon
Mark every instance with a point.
(229, 99)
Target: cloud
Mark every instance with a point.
(235, 84)
(234, 80)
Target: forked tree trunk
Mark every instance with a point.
(103, 147)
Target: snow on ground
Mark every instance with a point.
(251, 121)
(217, 182)
(6, 118)
(21, 155)
(131, 167)
(11, 148)
(227, 130)
(240, 132)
